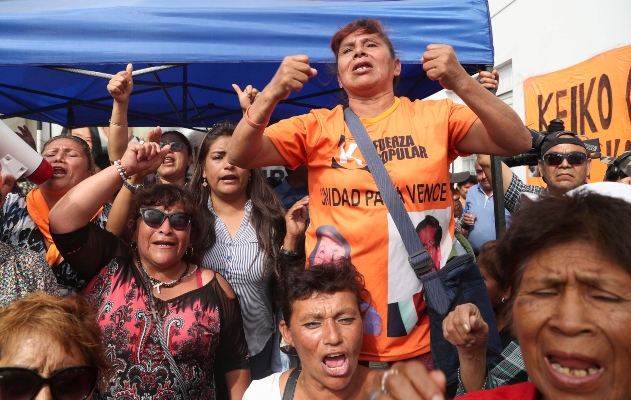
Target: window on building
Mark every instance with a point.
(505, 88)
(468, 163)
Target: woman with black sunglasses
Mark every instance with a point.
(168, 326)
(50, 347)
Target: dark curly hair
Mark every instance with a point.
(268, 215)
(166, 196)
(299, 283)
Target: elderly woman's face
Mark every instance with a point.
(572, 316)
(42, 354)
(326, 330)
(163, 246)
(69, 164)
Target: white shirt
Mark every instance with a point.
(264, 389)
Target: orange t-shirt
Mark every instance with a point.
(417, 142)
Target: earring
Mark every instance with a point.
(503, 300)
(134, 246)
(204, 182)
(187, 253)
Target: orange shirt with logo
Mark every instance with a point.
(416, 142)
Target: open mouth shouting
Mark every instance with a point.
(573, 371)
(59, 172)
(168, 161)
(164, 244)
(362, 66)
(335, 364)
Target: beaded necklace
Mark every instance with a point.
(157, 284)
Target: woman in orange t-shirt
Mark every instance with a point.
(416, 140)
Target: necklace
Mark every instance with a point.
(157, 284)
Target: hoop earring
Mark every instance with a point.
(503, 300)
(134, 246)
(204, 182)
(187, 254)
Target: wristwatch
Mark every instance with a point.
(289, 253)
(132, 188)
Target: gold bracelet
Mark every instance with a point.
(115, 124)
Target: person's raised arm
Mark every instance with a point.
(79, 205)
(498, 130)
(120, 87)
(296, 223)
(250, 147)
(465, 328)
(507, 174)
(246, 96)
(117, 218)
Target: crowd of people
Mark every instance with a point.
(177, 272)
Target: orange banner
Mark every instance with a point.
(592, 98)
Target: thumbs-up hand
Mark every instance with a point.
(121, 85)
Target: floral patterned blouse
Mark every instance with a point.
(18, 229)
(22, 272)
(203, 327)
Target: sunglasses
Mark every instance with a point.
(175, 145)
(74, 383)
(573, 158)
(155, 218)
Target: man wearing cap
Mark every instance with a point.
(619, 167)
(564, 165)
(479, 214)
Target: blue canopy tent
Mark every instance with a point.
(57, 56)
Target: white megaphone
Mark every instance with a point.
(18, 158)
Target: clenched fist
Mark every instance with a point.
(292, 74)
(441, 64)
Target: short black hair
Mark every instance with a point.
(299, 283)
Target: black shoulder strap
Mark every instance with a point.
(290, 387)
(419, 258)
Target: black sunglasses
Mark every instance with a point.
(74, 383)
(573, 158)
(155, 218)
(175, 145)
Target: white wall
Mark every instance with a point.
(541, 36)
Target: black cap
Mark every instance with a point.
(553, 139)
(459, 177)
